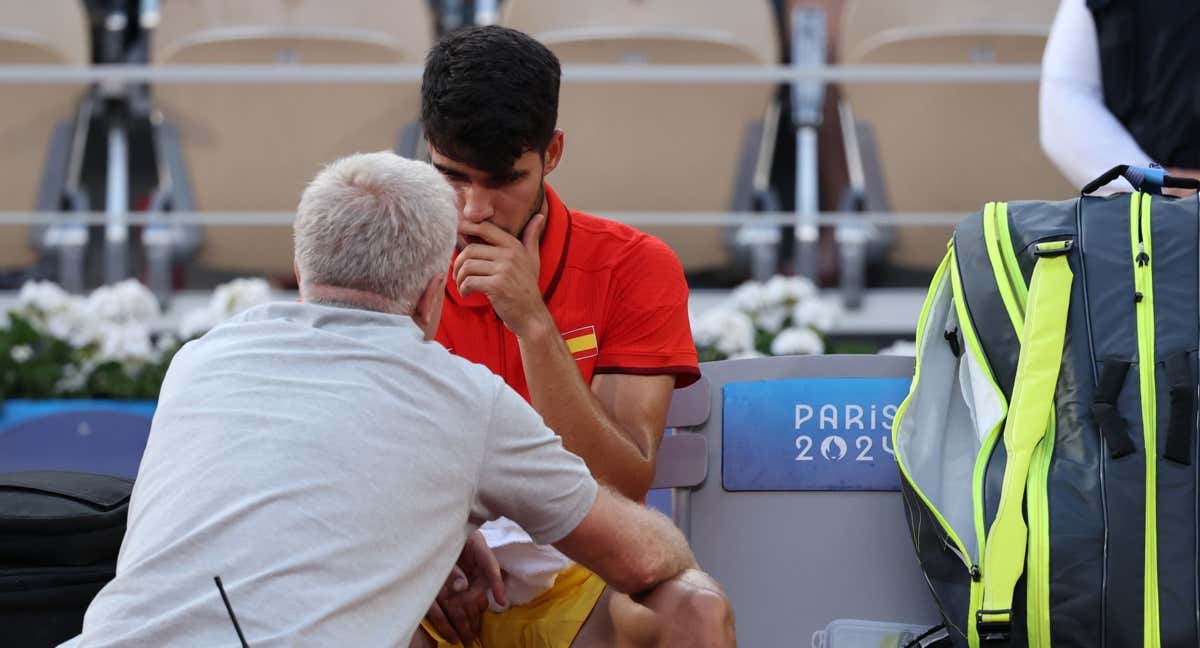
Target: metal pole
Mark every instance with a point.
(852, 239)
(853, 236)
(681, 510)
(113, 41)
(808, 49)
(762, 239)
(486, 12)
(157, 240)
(116, 228)
(70, 240)
(808, 233)
(151, 14)
(452, 15)
(764, 254)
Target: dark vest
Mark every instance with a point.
(1150, 68)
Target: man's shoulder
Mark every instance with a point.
(616, 244)
(472, 379)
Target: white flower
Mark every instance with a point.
(728, 331)
(50, 309)
(67, 322)
(165, 342)
(771, 318)
(86, 331)
(197, 322)
(21, 353)
(61, 325)
(748, 297)
(797, 341)
(125, 301)
(819, 314)
(74, 378)
(771, 303)
(236, 296)
(901, 348)
(745, 355)
(786, 291)
(43, 296)
(125, 343)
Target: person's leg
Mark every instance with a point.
(421, 639)
(597, 631)
(426, 637)
(688, 610)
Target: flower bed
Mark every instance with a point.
(110, 344)
(54, 345)
(782, 316)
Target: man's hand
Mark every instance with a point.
(457, 613)
(688, 610)
(506, 270)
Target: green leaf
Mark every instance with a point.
(762, 341)
(709, 354)
(850, 347)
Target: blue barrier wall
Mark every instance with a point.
(96, 436)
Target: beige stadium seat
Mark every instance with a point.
(950, 147)
(48, 32)
(655, 146)
(254, 147)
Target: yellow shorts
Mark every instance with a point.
(549, 621)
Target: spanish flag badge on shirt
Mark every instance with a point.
(581, 342)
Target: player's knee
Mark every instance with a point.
(701, 614)
(708, 609)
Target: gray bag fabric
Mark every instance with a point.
(1110, 500)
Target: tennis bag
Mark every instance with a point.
(60, 533)
(1047, 447)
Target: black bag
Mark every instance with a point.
(60, 533)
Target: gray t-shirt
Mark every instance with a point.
(328, 464)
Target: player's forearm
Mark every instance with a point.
(675, 555)
(568, 406)
(654, 545)
(633, 548)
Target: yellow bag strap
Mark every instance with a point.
(1028, 419)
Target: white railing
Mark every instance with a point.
(574, 73)
(651, 218)
(807, 78)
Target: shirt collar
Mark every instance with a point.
(553, 252)
(365, 325)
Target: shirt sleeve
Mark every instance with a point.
(1078, 132)
(647, 331)
(527, 475)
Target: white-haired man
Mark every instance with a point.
(329, 462)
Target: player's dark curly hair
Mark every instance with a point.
(488, 96)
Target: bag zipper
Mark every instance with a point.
(950, 538)
(1143, 279)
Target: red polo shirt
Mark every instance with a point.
(618, 296)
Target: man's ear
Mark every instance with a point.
(296, 270)
(427, 312)
(554, 152)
